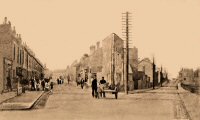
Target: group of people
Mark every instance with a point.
(80, 81)
(102, 85)
(36, 85)
(60, 81)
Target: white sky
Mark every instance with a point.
(61, 31)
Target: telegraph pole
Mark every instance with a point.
(126, 30)
(113, 62)
(154, 67)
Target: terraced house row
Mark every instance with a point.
(17, 60)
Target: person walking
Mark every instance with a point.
(9, 86)
(58, 80)
(62, 80)
(68, 79)
(94, 87)
(32, 85)
(43, 84)
(82, 83)
(51, 87)
(46, 86)
(35, 83)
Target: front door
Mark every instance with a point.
(7, 74)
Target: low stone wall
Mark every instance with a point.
(190, 87)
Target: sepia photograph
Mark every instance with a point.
(99, 60)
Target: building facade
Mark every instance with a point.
(106, 59)
(17, 61)
(186, 75)
(146, 66)
(113, 59)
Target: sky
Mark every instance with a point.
(61, 31)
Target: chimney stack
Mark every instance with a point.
(20, 36)
(98, 45)
(9, 23)
(92, 49)
(14, 31)
(20, 39)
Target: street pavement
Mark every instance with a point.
(23, 101)
(191, 102)
(69, 102)
(6, 96)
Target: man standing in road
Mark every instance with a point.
(94, 87)
(82, 82)
(43, 84)
(102, 85)
(51, 87)
(68, 79)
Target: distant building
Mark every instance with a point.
(72, 71)
(146, 66)
(197, 76)
(189, 76)
(186, 75)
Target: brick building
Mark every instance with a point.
(17, 61)
(113, 59)
(133, 67)
(197, 76)
(106, 59)
(186, 75)
(146, 66)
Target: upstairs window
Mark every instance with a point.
(14, 52)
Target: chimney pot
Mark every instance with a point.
(5, 20)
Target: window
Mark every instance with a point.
(18, 55)
(143, 69)
(13, 73)
(14, 53)
(22, 56)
